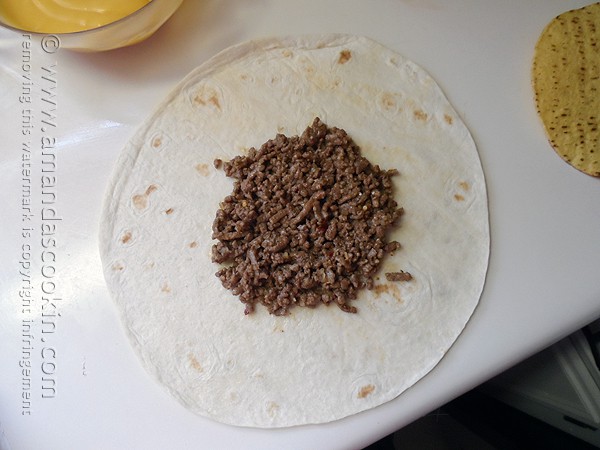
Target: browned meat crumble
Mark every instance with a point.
(306, 222)
(398, 276)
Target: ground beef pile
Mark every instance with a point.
(306, 222)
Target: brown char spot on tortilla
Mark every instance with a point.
(388, 101)
(449, 120)
(165, 288)
(193, 244)
(169, 211)
(459, 198)
(156, 142)
(140, 201)
(194, 363)
(207, 96)
(126, 237)
(202, 169)
(345, 56)
(365, 391)
(464, 185)
(117, 267)
(420, 115)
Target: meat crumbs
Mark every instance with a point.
(306, 222)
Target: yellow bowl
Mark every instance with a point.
(128, 30)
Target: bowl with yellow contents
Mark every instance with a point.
(91, 25)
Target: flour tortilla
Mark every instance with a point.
(315, 365)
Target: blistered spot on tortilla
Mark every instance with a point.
(345, 56)
(193, 244)
(207, 96)
(126, 237)
(169, 211)
(202, 169)
(365, 391)
(449, 120)
(459, 198)
(420, 115)
(464, 185)
(272, 408)
(194, 363)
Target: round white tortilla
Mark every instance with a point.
(315, 365)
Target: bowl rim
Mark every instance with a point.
(87, 30)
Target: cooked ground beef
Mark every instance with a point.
(398, 276)
(306, 222)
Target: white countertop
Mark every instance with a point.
(544, 273)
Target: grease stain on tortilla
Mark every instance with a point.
(388, 288)
(345, 56)
(203, 169)
(365, 391)
(140, 201)
(194, 363)
(448, 119)
(420, 115)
